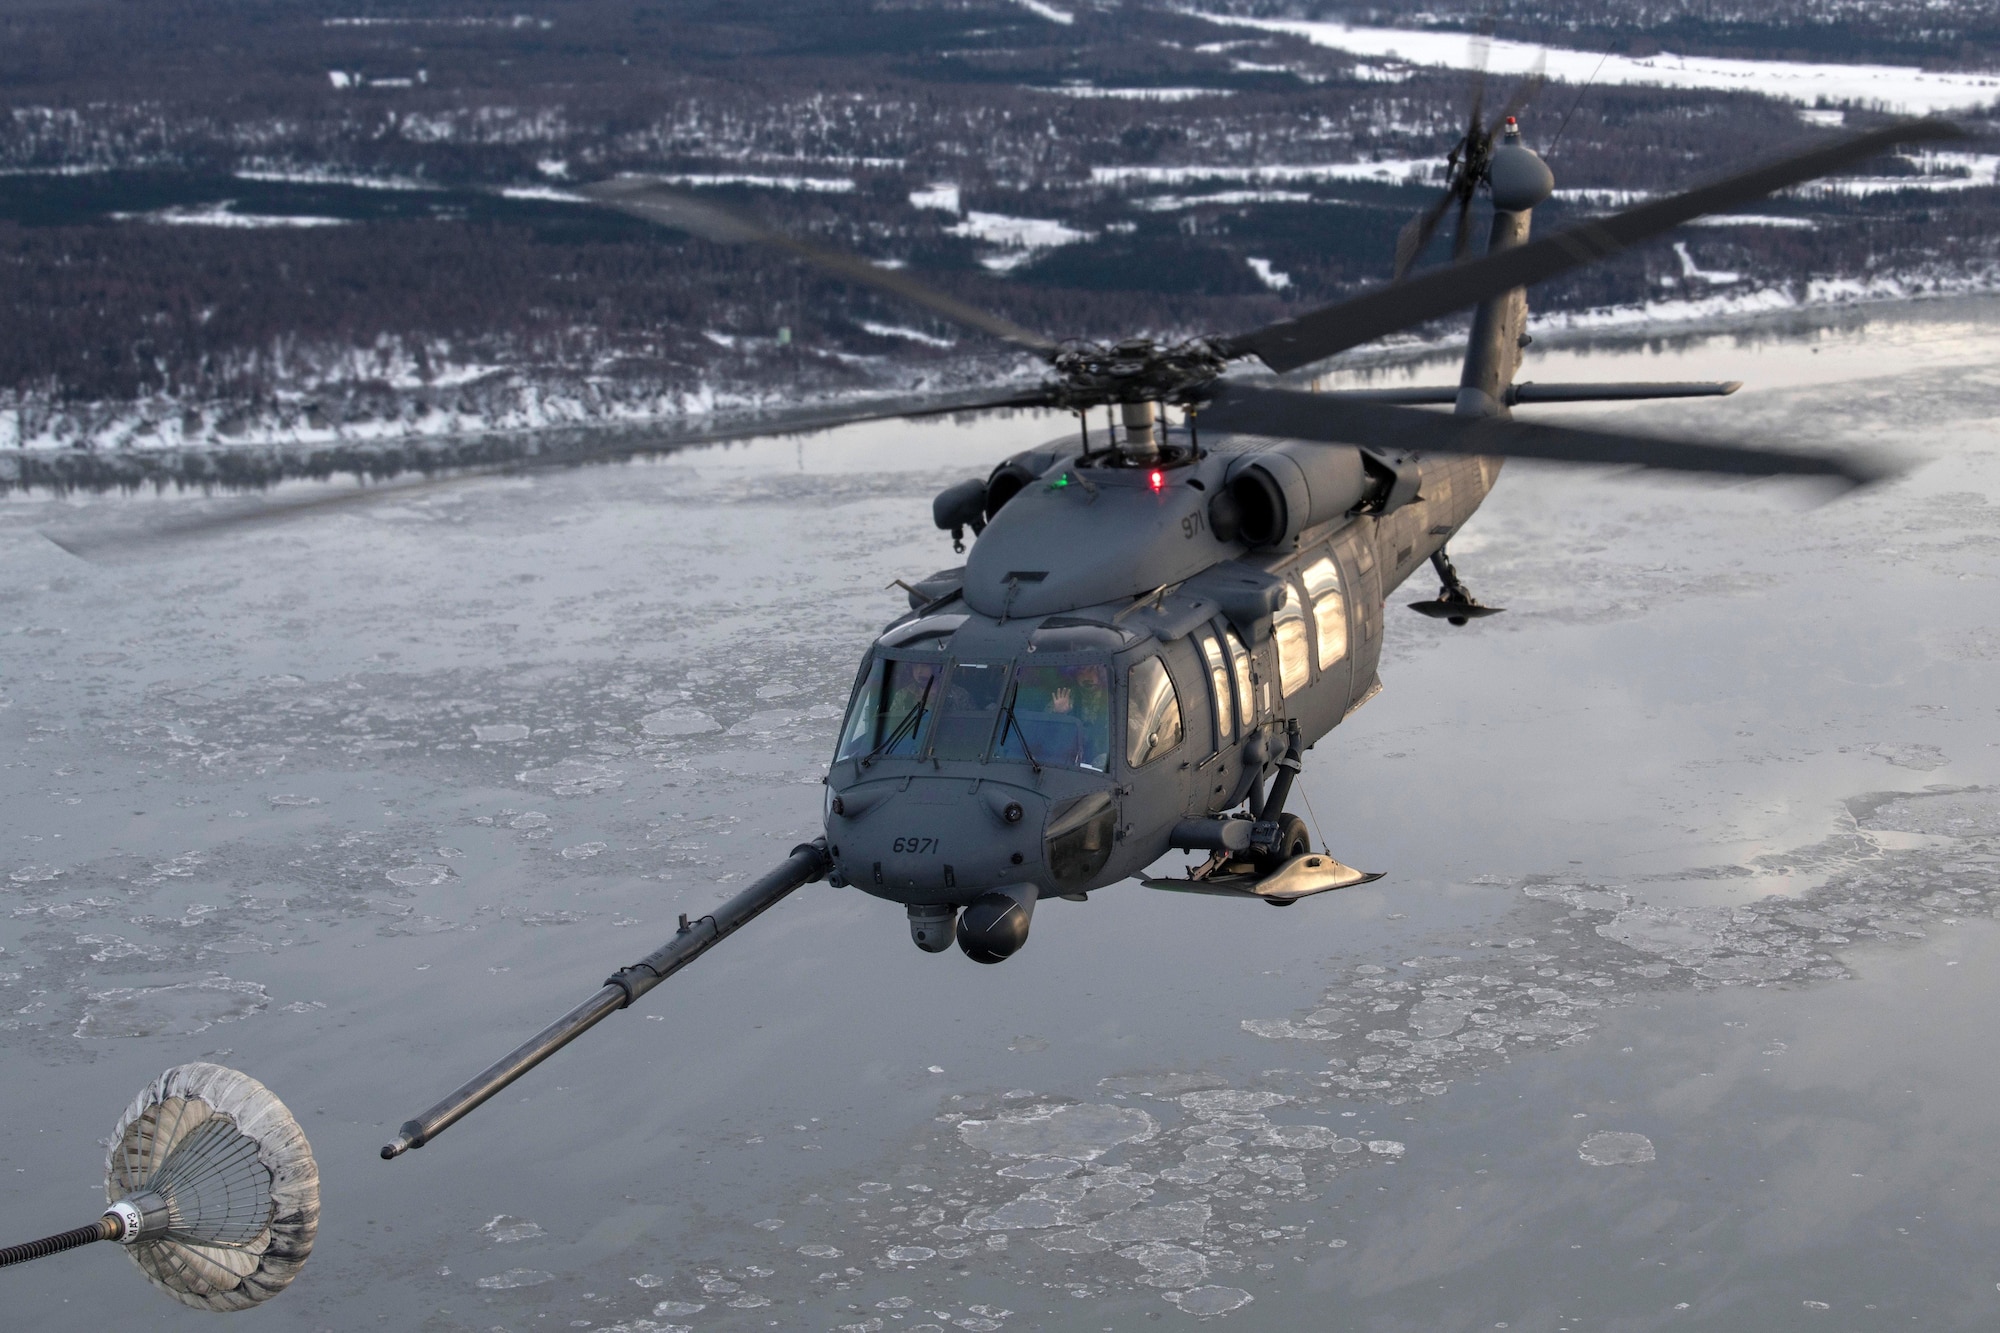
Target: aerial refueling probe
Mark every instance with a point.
(808, 862)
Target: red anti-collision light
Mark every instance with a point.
(1159, 480)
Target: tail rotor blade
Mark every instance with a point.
(1525, 91)
(1481, 51)
(1415, 237)
(1461, 239)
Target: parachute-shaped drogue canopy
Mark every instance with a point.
(212, 1189)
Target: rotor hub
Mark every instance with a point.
(1135, 370)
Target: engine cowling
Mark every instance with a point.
(1024, 468)
(1275, 494)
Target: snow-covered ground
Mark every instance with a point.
(1019, 239)
(905, 333)
(1167, 203)
(1049, 12)
(936, 196)
(312, 176)
(224, 215)
(1131, 94)
(1395, 171)
(1898, 87)
(1942, 171)
(1270, 276)
(1935, 171)
(811, 184)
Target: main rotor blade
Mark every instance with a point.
(1311, 337)
(90, 542)
(650, 200)
(1331, 419)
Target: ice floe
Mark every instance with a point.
(1616, 1148)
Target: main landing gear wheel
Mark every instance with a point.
(1292, 841)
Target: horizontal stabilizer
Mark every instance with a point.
(1613, 393)
(1424, 395)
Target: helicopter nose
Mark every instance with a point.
(935, 840)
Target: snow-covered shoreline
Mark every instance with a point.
(107, 446)
(1897, 87)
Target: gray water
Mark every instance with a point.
(1671, 1013)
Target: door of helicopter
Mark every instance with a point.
(1354, 550)
(1229, 717)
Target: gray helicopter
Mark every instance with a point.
(1157, 620)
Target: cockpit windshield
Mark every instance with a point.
(972, 695)
(1060, 718)
(890, 709)
(996, 712)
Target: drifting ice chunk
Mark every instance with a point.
(1206, 1301)
(678, 722)
(170, 1011)
(1230, 1101)
(504, 1229)
(418, 876)
(1170, 1221)
(1615, 1148)
(1083, 1133)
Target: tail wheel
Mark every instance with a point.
(1292, 841)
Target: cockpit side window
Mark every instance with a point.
(888, 714)
(1152, 713)
(1060, 717)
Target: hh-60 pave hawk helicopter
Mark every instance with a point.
(1156, 621)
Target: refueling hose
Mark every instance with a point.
(104, 1228)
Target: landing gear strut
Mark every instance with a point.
(1455, 601)
(1277, 837)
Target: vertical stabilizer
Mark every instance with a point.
(1519, 180)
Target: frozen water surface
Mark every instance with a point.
(1695, 847)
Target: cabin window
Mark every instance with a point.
(1288, 629)
(1246, 705)
(1152, 713)
(889, 710)
(1060, 717)
(1322, 580)
(968, 710)
(1218, 686)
